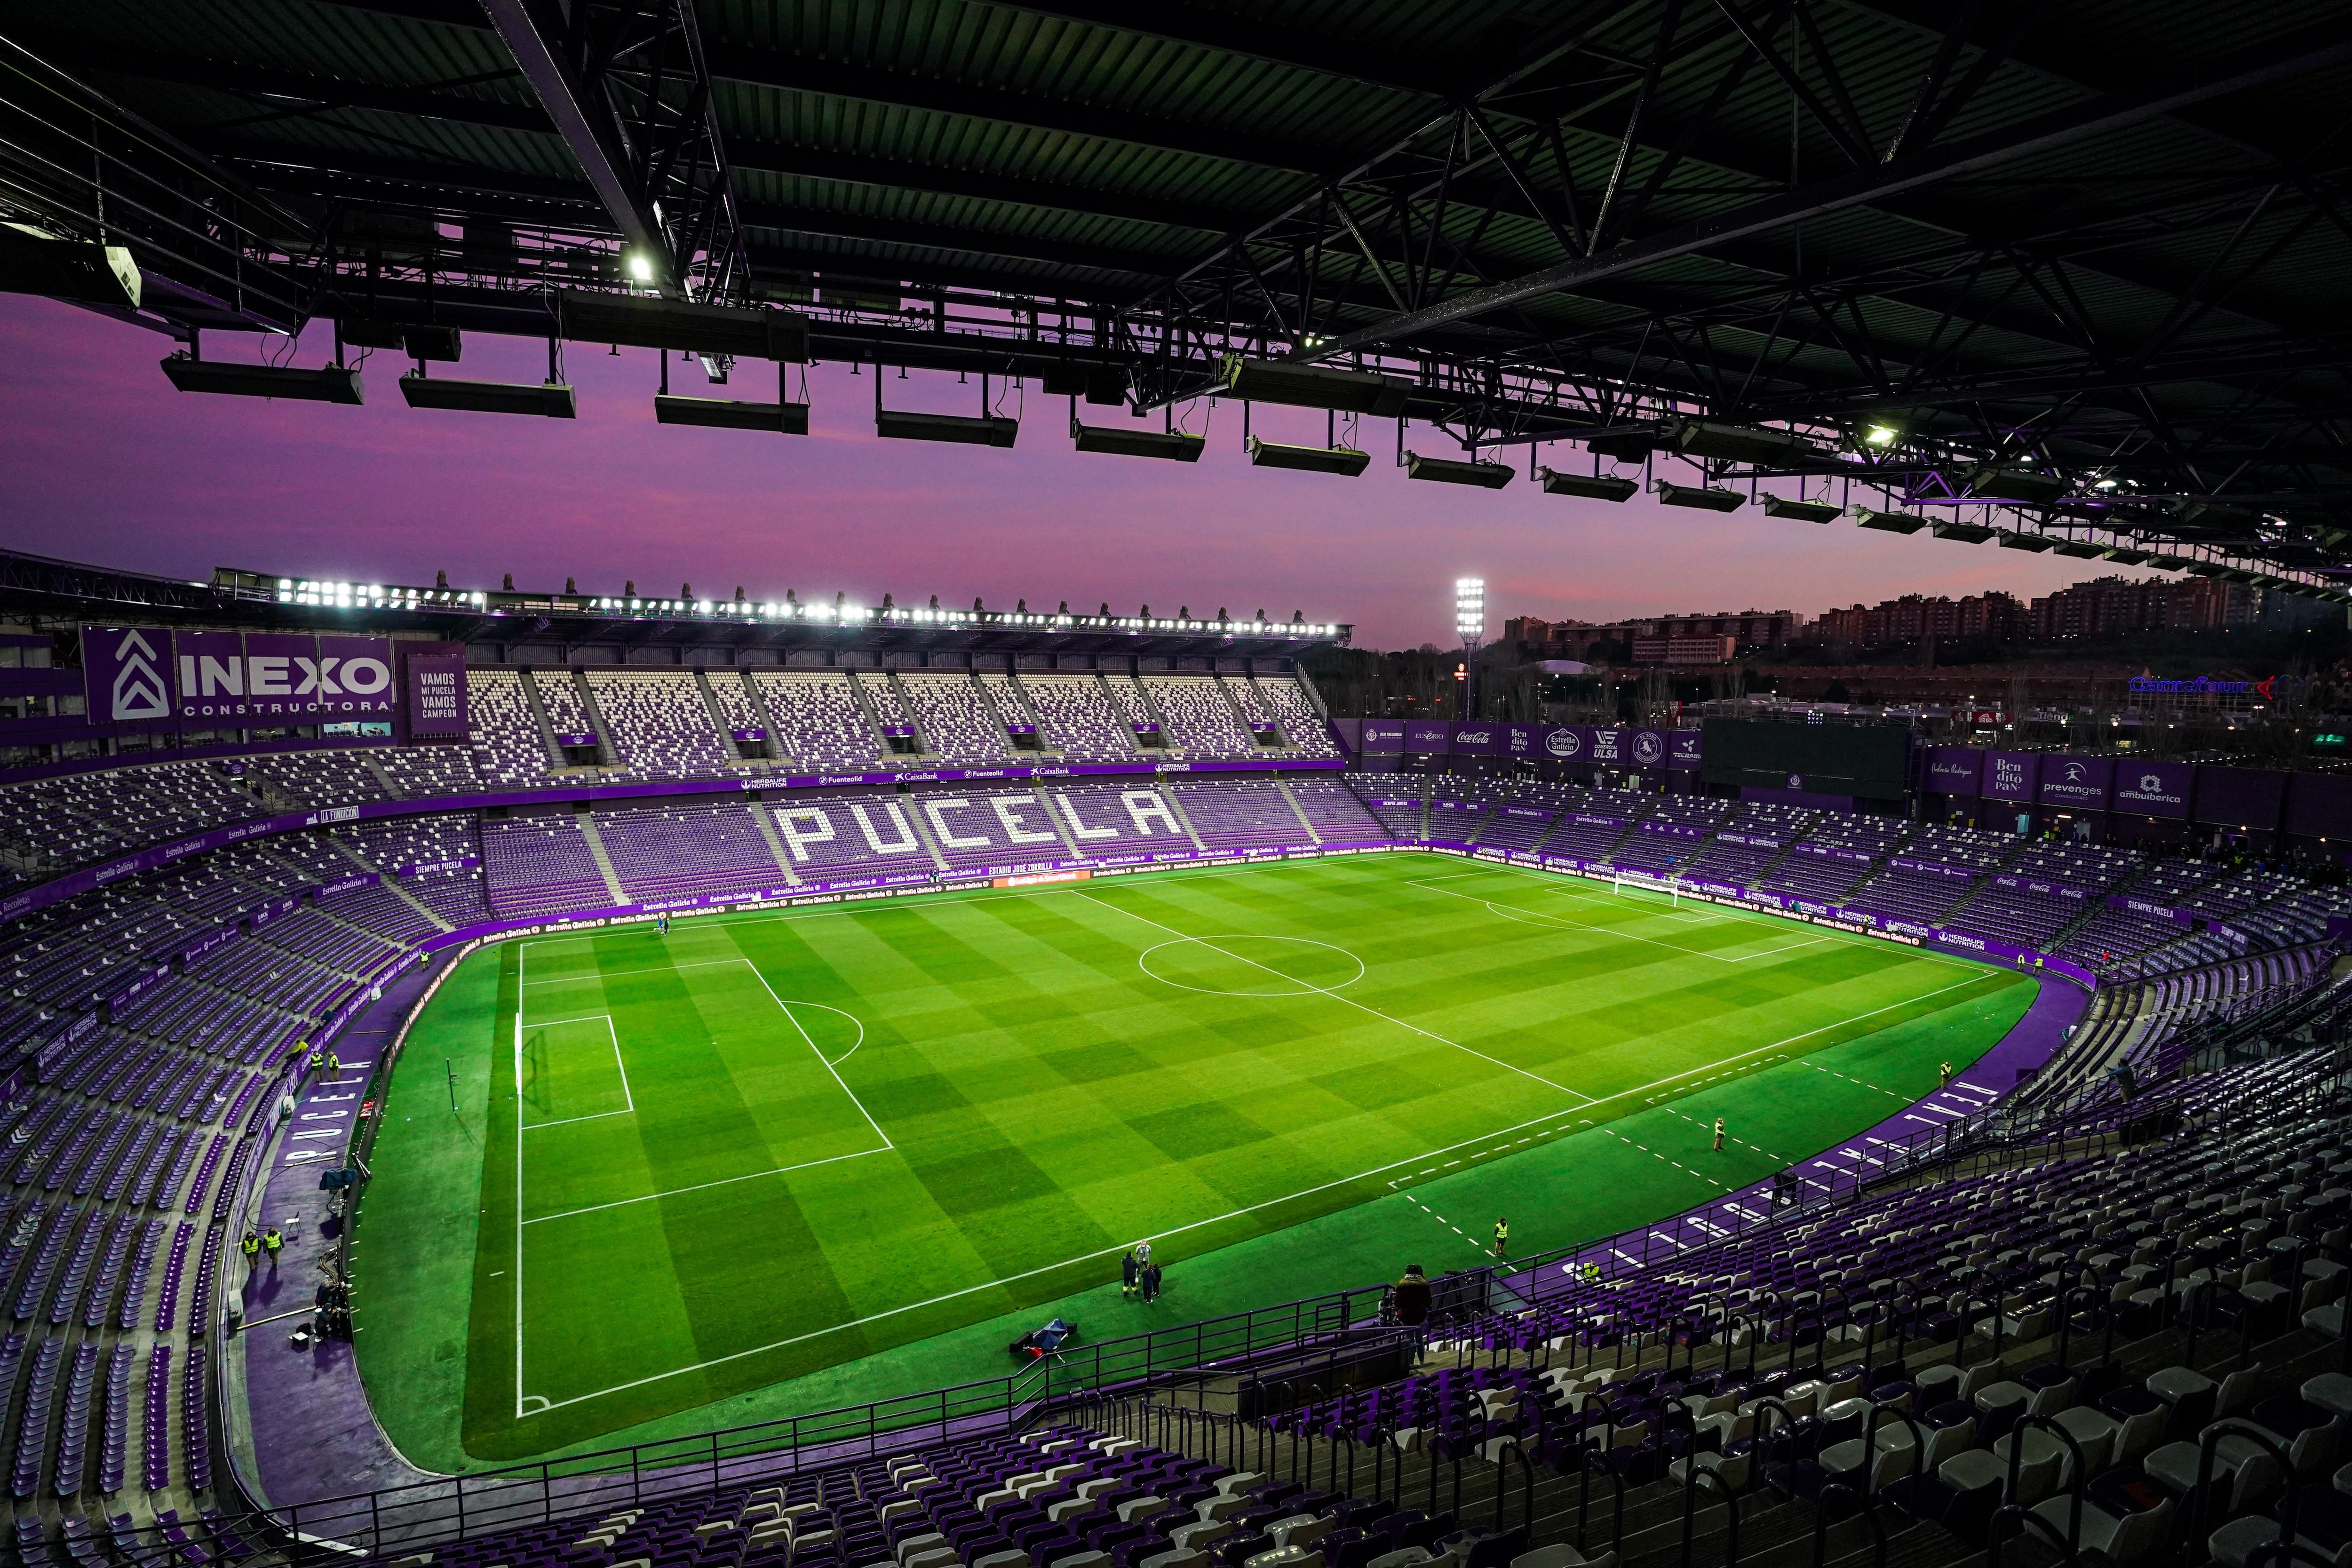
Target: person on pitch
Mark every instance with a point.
(1502, 1238)
(1718, 1134)
(1946, 1070)
(1130, 1274)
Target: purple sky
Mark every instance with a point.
(109, 464)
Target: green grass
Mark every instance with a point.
(778, 1162)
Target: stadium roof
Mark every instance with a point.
(67, 593)
(2090, 259)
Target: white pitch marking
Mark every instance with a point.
(1334, 995)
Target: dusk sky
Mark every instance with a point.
(107, 464)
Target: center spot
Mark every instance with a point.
(1252, 965)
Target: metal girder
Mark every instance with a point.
(629, 91)
(841, 78)
(1325, 53)
(302, 88)
(2309, 50)
(935, 95)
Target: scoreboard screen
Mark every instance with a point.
(1871, 761)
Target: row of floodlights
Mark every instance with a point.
(334, 594)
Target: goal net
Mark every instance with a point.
(1641, 881)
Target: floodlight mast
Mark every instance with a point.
(1470, 623)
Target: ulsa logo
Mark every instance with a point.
(138, 684)
(1563, 743)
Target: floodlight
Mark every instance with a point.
(551, 400)
(2213, 515)
(1701, 497)
(1098, 384)
(1451, 472)
(640, 268)
(1592, 487)
(335, 383)
(1307, 459)
(1625, 446)
(1993, 482)
(441, 344)
(1891, 522)
(719, 414)
(646, 323)
(1174, 445)
(1881, 436)
(1802, 510)
(2167, 562)
(1966, 532)
(2079, 549)
(1470, 608)
(1738, 442)
(970, 430)
(83, 271)
(2125, 555)
(1313, 386)
(2033, 542)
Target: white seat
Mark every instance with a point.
(2250, 1473)
(2038, 1471)
(2095, 1432)
(2110, 1537)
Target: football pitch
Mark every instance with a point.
(778, 1161)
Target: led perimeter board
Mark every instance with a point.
(1870, 761)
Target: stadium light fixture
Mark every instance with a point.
(2078, 550)
(1993, 482)
(1344, 461)
(1881, 436)
(81, 270)
(1172, 444)
(1802, 510)
(1313, 386)
(1701, 497)
(1966, 532)
(335, 383)
(551, 400)
(1590, 487)
(2033, 542)
(1738, 442)
(2125, 555)
(1891, 522)
(964, 429)
(1452, 471)
(1470, 623)
(645, 321)
(719, 414)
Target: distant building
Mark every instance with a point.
(1684, 650)
(2113, 606)
(1914, 617)
(1748, 631)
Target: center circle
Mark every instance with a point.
(1252, 965)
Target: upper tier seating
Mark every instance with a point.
(1199, 720)
(957, 721)
(660, 725)
(508, 748)
(1079, 719)
(819, 725)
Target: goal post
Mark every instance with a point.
(1669, 885)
